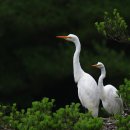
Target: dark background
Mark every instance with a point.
(34, 64)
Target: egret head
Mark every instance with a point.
(70, 37)
(99, 65)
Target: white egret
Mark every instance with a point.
(111, 101)
(87, 86)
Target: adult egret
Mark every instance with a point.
(87, 86)
(111, 101)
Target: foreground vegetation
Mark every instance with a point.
(42, 116)
(30, 53)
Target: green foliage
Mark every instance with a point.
(123, 123)
(113, 27)
(86, 122)
(124, 90)
(3, 113)
(41, 117)
(65, 118)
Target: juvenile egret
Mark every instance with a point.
(87, 86)
(111, 101)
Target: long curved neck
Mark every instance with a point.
(76, 63)
(100, 82)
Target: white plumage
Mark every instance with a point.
(87, 87)
(111, 101)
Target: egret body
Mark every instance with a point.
(111, 101)
(88, 92)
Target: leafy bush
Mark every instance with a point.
(123, 123)
(4, 111)
(124, 90)
(113, 27)
(41, 117)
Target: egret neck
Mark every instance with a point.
(78, 72)
(100, 82)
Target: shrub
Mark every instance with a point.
(41, 117)
(113, 27)
(123, 123)
(124, 90)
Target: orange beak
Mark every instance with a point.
(63, 37)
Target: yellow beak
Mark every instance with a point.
(95, 65)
